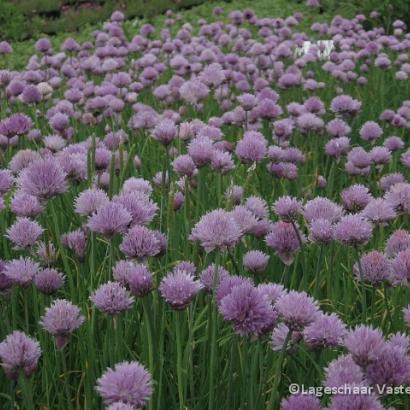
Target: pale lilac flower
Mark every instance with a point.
(128, 382)
(48, 281)
(327, 330)
(21, 271)
(24, 233)
(61, 319)
(140, 242)
(112, 298)
(255, 261)
(399, 241)
(88, 201)
(19, 353)
(353, 230)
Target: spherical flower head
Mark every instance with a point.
(322, 208)
(90, 200)
(222, 162)
(375, 268)
(136, 276)
(211, 281)
(21, 271)
(59, 121)
(343, 371)
(321, 231)
(364, 344)
(61, 319)
(359, 158)
(179, 288)
(128, 382)
(76, 241)
(5, 47)
(337, 147)
(287, 208)
(353, 230)
(43, 45)
(399, 197)
(257, 206)
(283, 239)
(393, 143)
(300, 402)
(112, 298)
(234, 194)
(6, 181)
(201, 150)
(367, 401)
(19, 352)
(380, 156)
(184, 166)
(24, 233)
(297, 309)
(43, 178)
(399, 241)
(379, 211)
(216, 230)
(271, 291)
(338, 128)
(31, 94)
(244, 219)
(109, 219)
(255, 261)
(326, 331)
(247, 101)
(401, 267)
(140, 242)
(251, 314)
(390, 368)
(137, 185)
(387, 181)
(252, 147)
(49, 281)
(165, 132)
(356, 197)
(345, 105)
(370, 131)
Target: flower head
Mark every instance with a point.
(112, 298)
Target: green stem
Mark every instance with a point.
(179, 360)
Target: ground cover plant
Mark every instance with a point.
(200, 215)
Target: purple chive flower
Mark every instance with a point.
(136, 276)
(216, 230)
(258, 207)
(165, 132)
(252, 147)
(364, 344)
(23, 204)
(179, 288)
(300, 402)
(89, 201)
(251, 314)
(366, 401)
(247, 101)
(326, 331)
(110, 219)
(128, 382)
(24, 233)
(393, 143)
(387, 181)
(283, 239)
(19, 352)
(338, 128)
(140, 242)
(322, 208)
(399, 241)
(61, 319)
(184, 166)
(391, 367)
(297, 309)
(43, 178)
(370, 131)
(355, 198)
(401, 267)
(337, 147)
(271, 291)
(343, 371)
(201, 150)
(379, 211)
(48, 281)
(287, 208)
(399, 197)
(353, 230)
(120, 406)
(321, 231)
(359, 158)
(375, 268)
(345, 105)
(21, 271)
(76, 241)
(255, 261)
(207, 277)
(112, 298)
